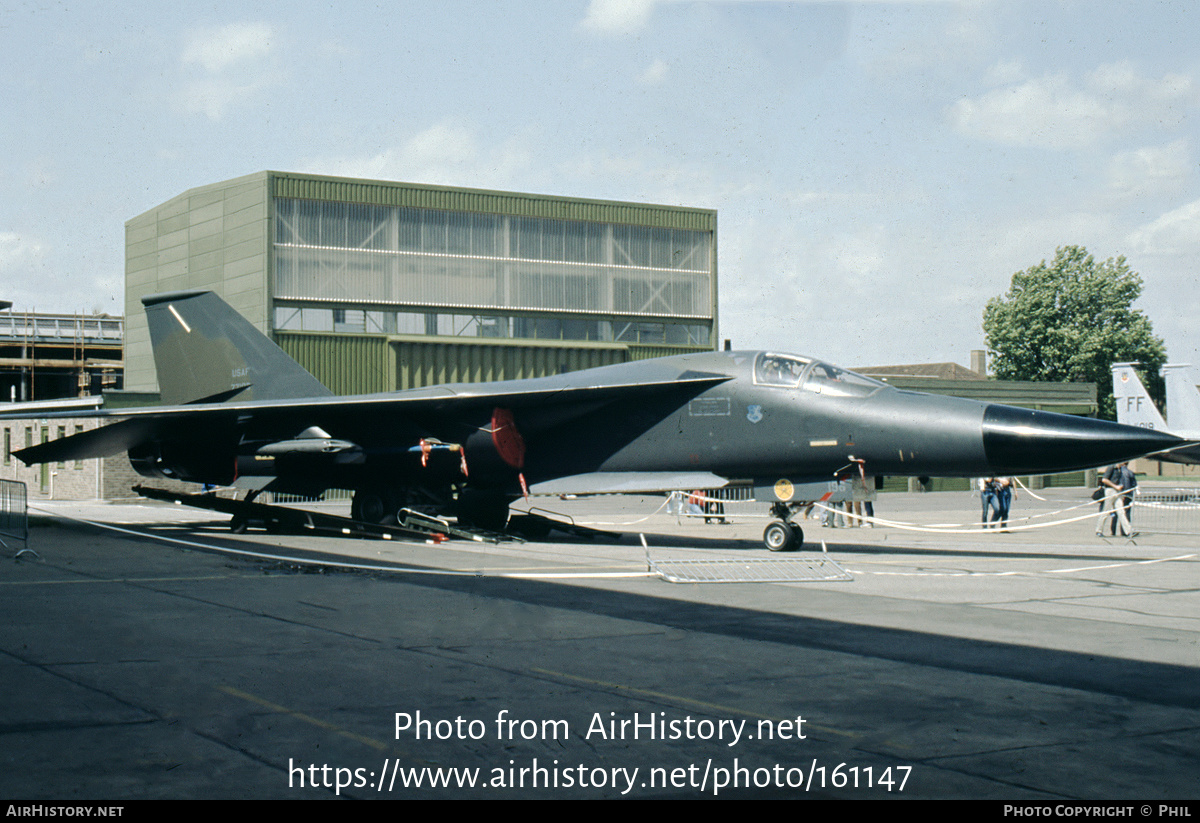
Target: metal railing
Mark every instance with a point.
(57, 328)
(1167, 511)
(14, 516)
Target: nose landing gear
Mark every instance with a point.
(783, 535)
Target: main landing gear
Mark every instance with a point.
(783, 535)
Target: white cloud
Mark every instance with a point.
(1044, 112)
(617, 16)
(234, 65)
(443, 154)
(213, 97)
(655, 73)
(218, 49)
(1057, 111)
(1152, 169)
(639, 176)
(1006, 72)
(1176, 232)
(18, 253)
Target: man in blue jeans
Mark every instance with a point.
(1004, 498)
(987, 495)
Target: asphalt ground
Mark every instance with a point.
(141, 659)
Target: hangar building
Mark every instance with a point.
(375, 286)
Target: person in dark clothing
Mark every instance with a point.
(1121, 481)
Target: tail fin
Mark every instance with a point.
(1183, 400)
(204, 351)
(1134, 406)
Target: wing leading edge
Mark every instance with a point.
(287, 417)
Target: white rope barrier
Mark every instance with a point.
(1025, 523)
(1028, 490)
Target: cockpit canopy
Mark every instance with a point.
(790, 371)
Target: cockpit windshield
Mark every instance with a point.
(789, 371)
(829, 379)
(779, 369)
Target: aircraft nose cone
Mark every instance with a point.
(1025, 441)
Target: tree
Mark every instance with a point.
(1070, 321)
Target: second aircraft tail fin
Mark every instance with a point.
(1183, 400)
(1134, 406)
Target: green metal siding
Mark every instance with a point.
(650, 352)
(425, 363)
(345, 363)
(382, 193)
(362, 364)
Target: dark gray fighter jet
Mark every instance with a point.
(241, 412)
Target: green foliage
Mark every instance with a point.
(1070, 321)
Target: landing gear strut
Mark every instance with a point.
(783, 535)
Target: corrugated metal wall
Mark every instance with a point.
(361, 364)
(526, 205)
(426, 363)
(650, 352)
(345, 363)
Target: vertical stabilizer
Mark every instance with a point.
(1183, 400)
(206, 351)
(1134, 406)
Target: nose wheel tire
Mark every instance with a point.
(782, 536)
(374, 506)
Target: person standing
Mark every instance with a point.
(987, 496)
(1120, 482)
(1006, 492)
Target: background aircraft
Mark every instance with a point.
(1183, 401)
(241, 412)
(1136, 408)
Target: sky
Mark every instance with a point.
(880, 169)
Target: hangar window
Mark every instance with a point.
(404, 256)
(349, 320)
(778, 369)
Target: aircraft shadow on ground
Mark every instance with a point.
(1160, 683)
(721, 544)
(814, 538)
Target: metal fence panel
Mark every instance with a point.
(1167, 511)
(14, 516)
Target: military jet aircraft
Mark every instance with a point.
(1136, 408)
(241, 412)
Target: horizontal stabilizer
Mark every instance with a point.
(101, 442)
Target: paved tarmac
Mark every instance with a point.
(140, 659)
